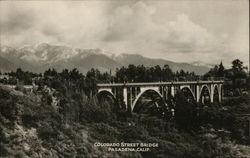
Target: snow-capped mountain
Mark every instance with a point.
(198, 63)
(40, 57)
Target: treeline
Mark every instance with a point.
(237, 70)
(25, 77)
(87, 83)
(157, 73)
(236, 78)
(131, 73)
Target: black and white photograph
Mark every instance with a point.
(124, 79)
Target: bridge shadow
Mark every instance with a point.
(189, 96)
(205, 96)
(106, 96)
(151, 103)
(216, 95)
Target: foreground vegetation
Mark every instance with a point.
(36, 125)
(63, 118)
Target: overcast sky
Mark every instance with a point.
(184, 31)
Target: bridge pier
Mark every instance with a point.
(211, 93)
(130, 98)
(197, 93)
(125, 97)
(220, 90)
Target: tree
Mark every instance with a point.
(121, 75)
(50, 72)
(216, 71)
(238, 69)
(131, 72)
(25, 77)
(19, 73)
(157, 73)
(167, 73)
(75, 74)
(65, 74)
(237, 65)
(185, 112)
(141, 74)
(221, 70)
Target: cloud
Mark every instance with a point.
(156, 29)
(56, 22)
(136, 24)
(16, 22)
(128, 21)
(185, 35)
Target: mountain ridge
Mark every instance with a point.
(40, 57)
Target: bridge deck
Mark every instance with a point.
(157, 83)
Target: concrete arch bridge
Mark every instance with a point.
(130, 93)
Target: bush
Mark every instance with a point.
(47, 132)
(92, 111)
(8, 107)
(134, 134)
(3, 151)
(185, 112)
(104, 133)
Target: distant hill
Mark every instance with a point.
(126, 59)
(43, 56)
(6, 65)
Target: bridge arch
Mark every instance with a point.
(202, 91)
(107, 92)
(143, 92)
(188, 89)
(205, 86)
(216, 93)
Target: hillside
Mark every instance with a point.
(31, 128)
(45, 123)
(6, 65)
(126, 59)
(43, 56)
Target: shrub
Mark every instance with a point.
(185, 112)
(104, 132)
(47, 132)
(8, 107)
(92, 111)
(134, 133)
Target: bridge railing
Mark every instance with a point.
(214, 79)
(194, 79)
(200, 79)
(157, 83)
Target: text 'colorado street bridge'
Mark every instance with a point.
(130, 93)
